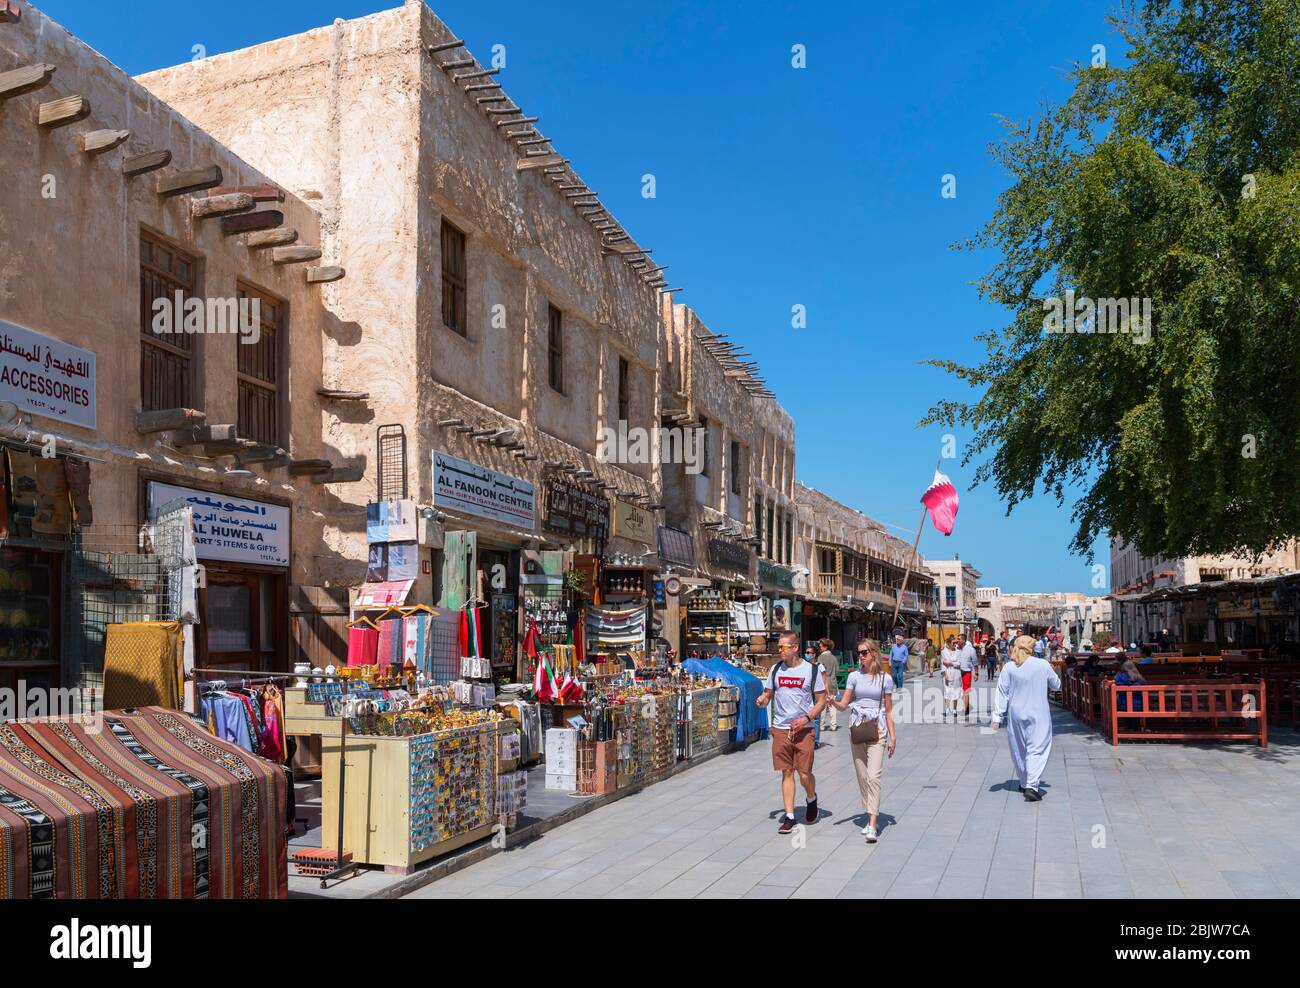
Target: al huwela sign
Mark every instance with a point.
(475, 490)
(46, 376)
(229, 528)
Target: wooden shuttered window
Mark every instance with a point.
(166, 359)
(454, 281)
(261, 370)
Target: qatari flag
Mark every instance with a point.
(941, 498)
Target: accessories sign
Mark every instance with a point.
(46, 376)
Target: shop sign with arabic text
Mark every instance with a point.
(476, 490)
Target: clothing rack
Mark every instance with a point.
(248, 676)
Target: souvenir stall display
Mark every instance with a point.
(645, 723)
(697, 713)
(105, 810)
(420, 782)
(708, 621)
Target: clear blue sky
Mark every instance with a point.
(775, 187)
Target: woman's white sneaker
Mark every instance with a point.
(869, 832)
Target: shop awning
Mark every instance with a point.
(391, 594)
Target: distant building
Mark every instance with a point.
(955, 580)
(1144, 603)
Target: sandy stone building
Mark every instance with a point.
(856, 571)
(495, 316)
(111, 200)
(1143, 604)
(728, 510)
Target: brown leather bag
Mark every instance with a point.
(868, 731)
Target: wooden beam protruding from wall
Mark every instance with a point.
(304, 468)
(149, 161)
(340, 475)
(265, 192)
(166, 419)
(271, 238)
(235, 202)
(199, 434)
(323, 275)
(295, 255)
(61, 112)
(263, 219)
(103, 141)
(25, 80)
(195, 180)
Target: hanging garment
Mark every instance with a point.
(77, 475)
(390, 645)
(272, 731)
(229, 719)
(142, 665)
(363, 645)
(471, 636)
(417, 642)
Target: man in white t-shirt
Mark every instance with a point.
(796, 691)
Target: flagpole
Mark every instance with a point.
(898, 602)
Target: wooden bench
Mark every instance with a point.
(1211, 710)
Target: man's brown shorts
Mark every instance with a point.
(792, 749)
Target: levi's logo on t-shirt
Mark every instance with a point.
(790, 682)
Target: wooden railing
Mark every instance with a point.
(1186, 711)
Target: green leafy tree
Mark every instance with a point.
(1176, 179)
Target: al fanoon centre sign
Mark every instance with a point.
(481, 491)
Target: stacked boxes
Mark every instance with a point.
(562, 759)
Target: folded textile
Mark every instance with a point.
(109, 811)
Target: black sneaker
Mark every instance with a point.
(811, 814)
(1033, 796)
(787, 825)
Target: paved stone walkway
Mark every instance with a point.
(1156, 820)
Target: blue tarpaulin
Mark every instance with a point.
(750, 720)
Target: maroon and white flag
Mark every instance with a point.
(941, 499)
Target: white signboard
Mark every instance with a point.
(46, 376)
(475, 490)
(228, 528)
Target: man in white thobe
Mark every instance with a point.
(1021, 703)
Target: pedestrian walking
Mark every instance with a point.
(1021, 703)
(951, 658)
(830, 663)
(931, 657)
(1002, 649)
(991, 659)
(970, 670)
(898, 661)
(868, 697)
(796, 691)
(810, 656)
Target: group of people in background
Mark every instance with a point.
(801, 692)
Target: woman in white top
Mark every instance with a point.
(950, 659)
(868, 696)
(1021, 703)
